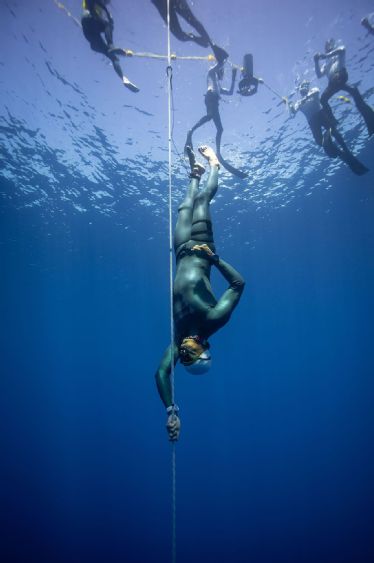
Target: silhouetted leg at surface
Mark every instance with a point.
(322, 121)
(338, 83)
(183, 9)
(212, 107)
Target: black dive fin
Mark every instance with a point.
(329, 146)
(368, 115)
(188, 151)
(230, 168)
(188, 146)
(354, 164)
(220, 54)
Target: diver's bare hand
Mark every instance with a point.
(173, 427)
(203, 248)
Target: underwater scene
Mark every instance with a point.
(186, 281)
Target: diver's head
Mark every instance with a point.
(304, 87)
(194, 354)
(330, 45)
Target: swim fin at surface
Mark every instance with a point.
(354, 164)
(368, 115)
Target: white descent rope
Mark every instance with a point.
(169, 72)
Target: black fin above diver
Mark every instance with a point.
(234, 171)
(248, 84)
(368, 115)
(220, 54)
(329, 146)
(188, 146)
(333, 151)
(188, 151)
(354, 164)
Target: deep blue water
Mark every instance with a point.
(275, 461)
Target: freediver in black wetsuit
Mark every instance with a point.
(318, 119)
(197, 313)
(182, 9)
(335, 70)
(212, 97)
(96, 19)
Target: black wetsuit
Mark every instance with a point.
(181, 8)
(212, 98)
(96, 20)
(195, 308)
(337, 81)
(324, 128)
(320, 121)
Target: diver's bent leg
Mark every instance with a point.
(201, 210)
(317, 133)
(218, 123)
(325, 96)
(176, 29)
(108, 32)
(218, 141)
(365, 110)
(201, 122)
(116, 64)
(202, 230)
(212, 182)
(182, 233)
(354, 92)
(185, 11)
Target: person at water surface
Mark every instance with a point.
(97, 20)
(323, 128)
(182, 9)
(335, 69)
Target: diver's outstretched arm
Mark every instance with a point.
(173, 424)
(163, 375)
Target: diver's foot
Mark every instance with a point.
(129, 85)
(198, 170)
(202, 41)
(188, 151)
(209, 154)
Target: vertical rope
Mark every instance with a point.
(169, 72)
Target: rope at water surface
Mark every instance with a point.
(169, 72)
